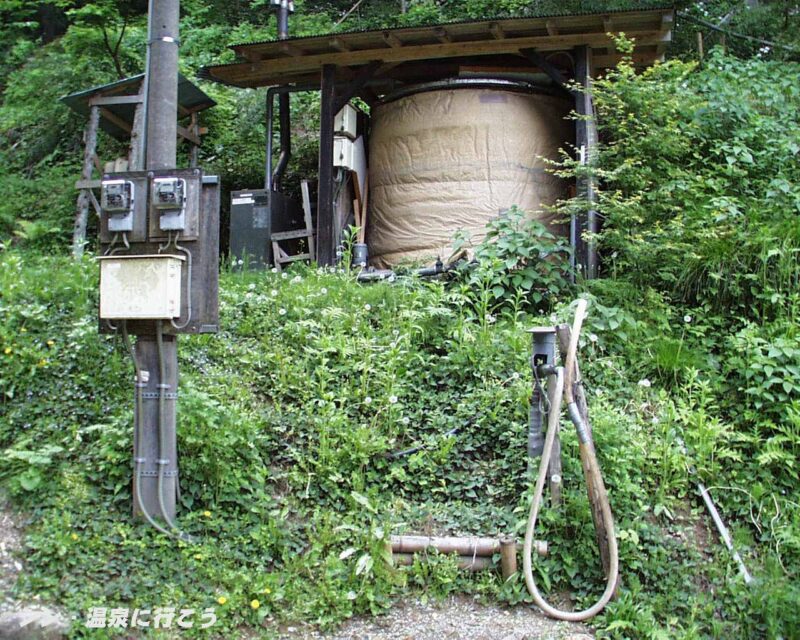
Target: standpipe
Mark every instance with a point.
(563, 381)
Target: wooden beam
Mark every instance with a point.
(612, 60)
(345, 93)
(497, 31)
(326, 242)
(186, 134)
(110, 100)
(552, 28)
(392, 40)
(115, 119)
(291, 50)
(339, 45)
(88, 184)
(442, 35)
(250, 72)
(550, 69)
(608, 27)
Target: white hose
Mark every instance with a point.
(590, 459)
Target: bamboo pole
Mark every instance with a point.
(564, 333)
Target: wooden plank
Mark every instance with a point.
(82, 213)
(306, 196)
(252, 72)
(111, 100)
(497, 31)
(291, 50)
(291, 235)
(326, 242)
(135, 148)
(339, 45)
(88, 184)
(608, 27)
(392, 40)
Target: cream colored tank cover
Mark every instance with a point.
(453, 159)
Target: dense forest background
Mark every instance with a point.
(50, 49)
(290, 415)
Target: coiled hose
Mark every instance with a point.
(565, 378)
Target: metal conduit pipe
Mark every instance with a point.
(284, 116)
(269, 174)
(562, 378)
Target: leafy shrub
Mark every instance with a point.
(519, 264)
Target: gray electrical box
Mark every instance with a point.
(255, 215)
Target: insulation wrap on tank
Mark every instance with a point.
(453, 159)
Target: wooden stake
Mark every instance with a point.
(84, 199)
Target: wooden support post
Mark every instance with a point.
(564, 332)
(700, 45)
(508, 557)
(194, 147)
(326, 240)
(135, 159)
(585, 248)
(84, 200)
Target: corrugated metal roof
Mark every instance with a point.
(299, 60)
(191, 99)
(644, 6)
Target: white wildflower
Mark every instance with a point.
(592, 337)
(281, 312)
(367, 307)
(273, 293)
(644, 382)
(687, 319)
(392, 399)
(367, 400)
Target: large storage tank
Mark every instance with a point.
(452, 156)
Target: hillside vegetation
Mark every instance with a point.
(289, 418)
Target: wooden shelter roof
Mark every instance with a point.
(118, 102)
(299, 60)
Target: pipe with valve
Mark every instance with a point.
(564, 386)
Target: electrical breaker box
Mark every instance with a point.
(167, 266)
(344, 153)
(346, 122)
(140, 287)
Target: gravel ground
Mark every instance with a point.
(10, 565)
(458, 618)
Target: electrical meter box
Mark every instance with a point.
(167, 266)
(346, 122)
(123, 207)
(140, 287)
(344, 153)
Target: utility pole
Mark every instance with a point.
(159, 363)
